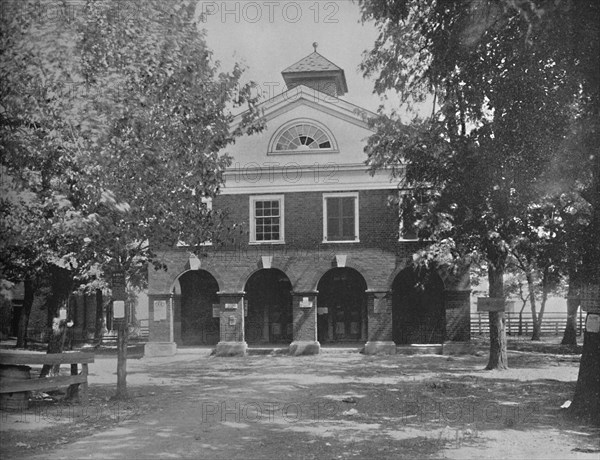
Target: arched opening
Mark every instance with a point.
(418, 314)
(198, 296)
(268, 315)
(342, 306)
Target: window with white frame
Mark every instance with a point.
(267, 219)
(302, 136)
(340, 217)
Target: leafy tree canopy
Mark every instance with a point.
(516, 114)
(112, 127)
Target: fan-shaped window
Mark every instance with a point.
(303, 136)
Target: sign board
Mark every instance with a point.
(495, 304)
(216, 310)
(231, 306)
(62, 313)
(118, 309)
(592, 324)
(160, 310)
(322, 310)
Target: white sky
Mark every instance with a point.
(268, 36)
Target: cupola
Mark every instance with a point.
(317, 73)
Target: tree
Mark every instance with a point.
(507, 101)
(113, 126)
(518, 88)
(539, 249)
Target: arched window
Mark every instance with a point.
(302, 136)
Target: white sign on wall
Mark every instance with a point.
(305, 303)
(160, 310)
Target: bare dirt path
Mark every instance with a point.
(335, 405)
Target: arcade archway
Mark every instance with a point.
(418, 314)
(342, 307)
(198, 295)
(268, 312)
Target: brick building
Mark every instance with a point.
(324, 259)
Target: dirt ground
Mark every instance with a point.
(340, 404)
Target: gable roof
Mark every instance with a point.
(302, 95)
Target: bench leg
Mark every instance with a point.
(73, 390)
(84, 386)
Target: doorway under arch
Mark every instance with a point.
(198, 295)
(268, 310)
(342, 306)
(418, 314)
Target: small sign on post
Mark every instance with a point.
(119, 310)
(592, 324)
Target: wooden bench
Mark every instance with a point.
(16, 358)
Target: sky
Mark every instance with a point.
(268, 36)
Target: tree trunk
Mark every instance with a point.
(99, 315)
(540, 318)
(62, 282)
(25, 313)
(536, 331)
(524, 300)
(586, 402)
(498, 356)
(122, 361)
(570, 335)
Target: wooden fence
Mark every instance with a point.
(553, 323)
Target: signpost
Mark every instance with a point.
(120, 318)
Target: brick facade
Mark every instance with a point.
(379, 257)
(378, 223)
(338, 291)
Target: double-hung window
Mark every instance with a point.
(340, 217)
(267, 219)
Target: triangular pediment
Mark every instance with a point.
(319, 101)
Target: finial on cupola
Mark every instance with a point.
(315, 44)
